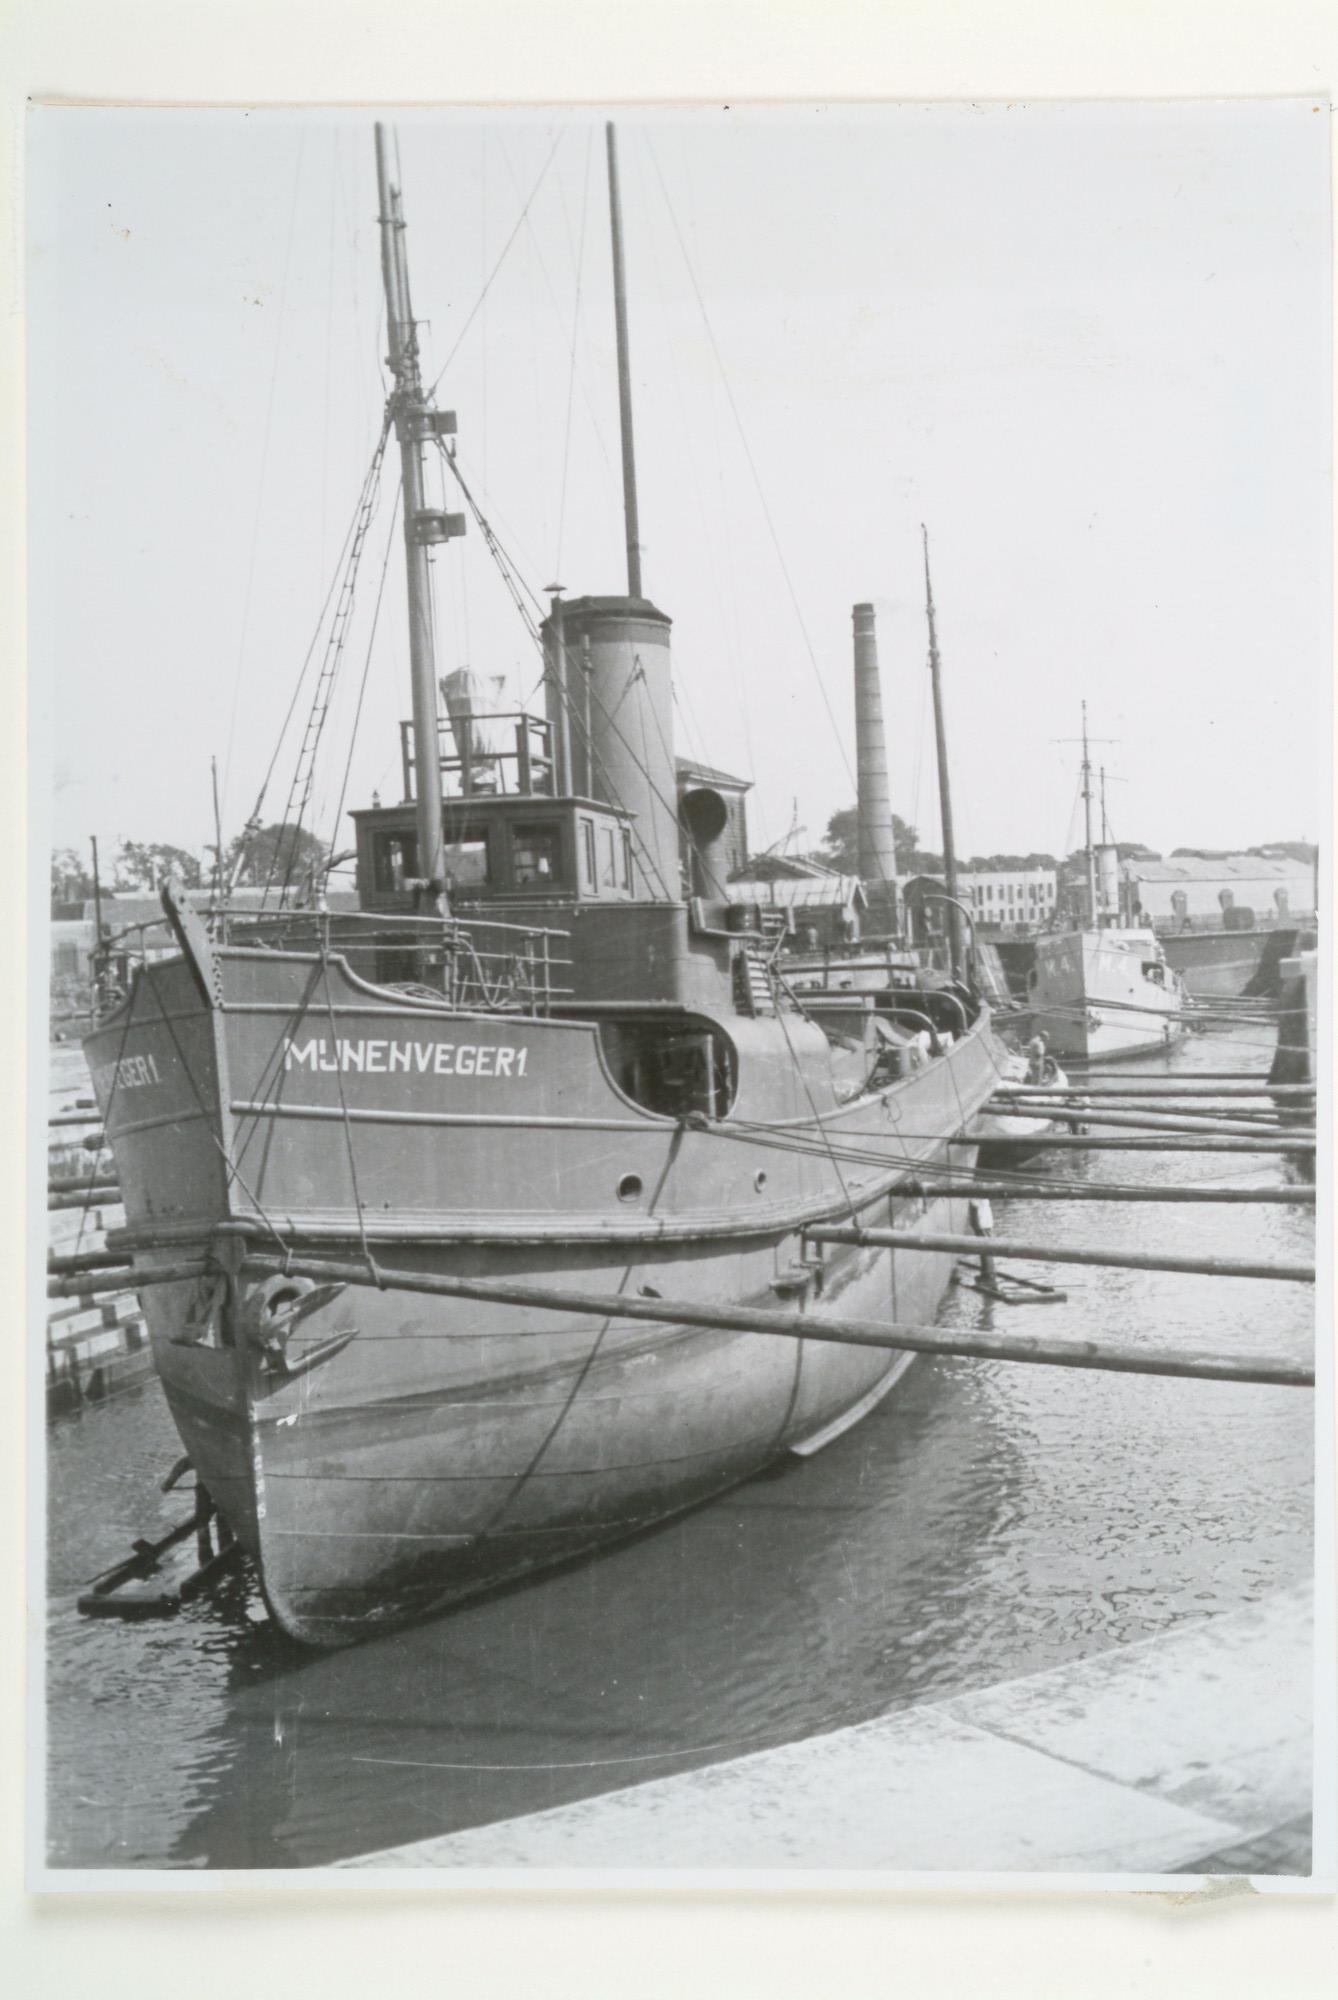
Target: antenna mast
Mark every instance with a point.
(416, 422)
(632, 527)
(944, 789)
(1092, 918)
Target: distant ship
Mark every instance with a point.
(1104, 991)
(1224, 963)
(1100, 994)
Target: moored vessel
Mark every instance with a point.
(543, 1055)
(1103, 991)
(1103, 994)
(1220, 963)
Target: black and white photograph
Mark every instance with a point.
(686, 761)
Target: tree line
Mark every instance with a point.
(840, 850)
(276, 853)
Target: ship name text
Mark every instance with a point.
(129, 1073)
(387, 1058)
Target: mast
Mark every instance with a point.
(1087, 824)
(632, 528)
(97, 895)
(416, 422)
(944, 789)
(561, 716)
(218, 833)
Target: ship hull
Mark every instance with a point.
(453, 1446)
(1104, 996)
(395, 1452)
(1226, 965)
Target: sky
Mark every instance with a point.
(1087, 345)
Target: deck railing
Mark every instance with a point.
(478, 965)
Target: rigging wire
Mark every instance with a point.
(264, 465)
(682, 694)
(329, 343)
(757, 478)
(538, 254)
(304, 770)
(517, 588)
(515, 231)
(265, 782)
(366, 669)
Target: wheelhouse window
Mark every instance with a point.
(588, 852)
(536, 855)
(608, 873)
(394, 861)
(627, 859)
(467, 859)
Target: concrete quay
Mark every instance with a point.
(1189, 1753)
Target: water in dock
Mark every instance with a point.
(988, 1521)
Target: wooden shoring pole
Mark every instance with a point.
(125, 1279)
(85, 1260)
(605, 1306)
(1252, 1116)
(1064, 1253)
(1155, 1087)
(103, 1197)
(1139, 1121)
(1258, 1077)
(1135, 1142)
(1043, 1189)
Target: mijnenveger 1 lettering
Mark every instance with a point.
(392, 1058)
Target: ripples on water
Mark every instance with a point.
(987, 1521)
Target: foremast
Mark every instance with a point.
(417, 424)
(1093, 912)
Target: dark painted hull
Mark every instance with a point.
(429, 1447)
(1229, 964)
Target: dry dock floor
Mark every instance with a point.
(1186, 1752)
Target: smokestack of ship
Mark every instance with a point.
(877, 850)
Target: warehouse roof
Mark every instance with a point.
(1218, 868)
(790, 893)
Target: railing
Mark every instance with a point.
(1214, 923)
(479, 965)
(509, 754)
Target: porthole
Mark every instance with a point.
(629, 1188)
(760, 1179)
